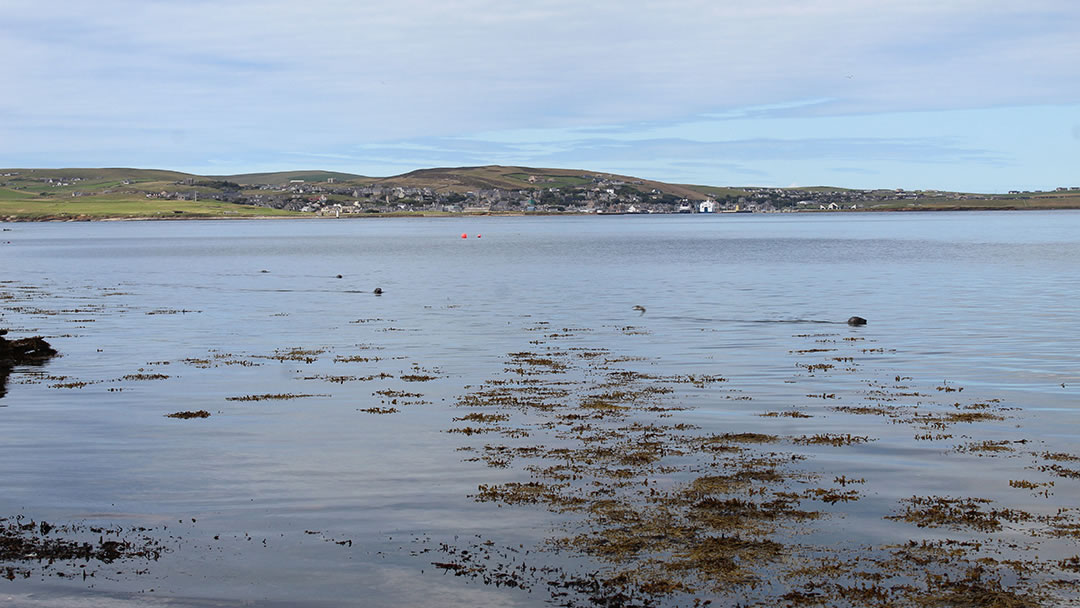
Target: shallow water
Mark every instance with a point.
(255, 499)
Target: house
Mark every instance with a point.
(707, 207)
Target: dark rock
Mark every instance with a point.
(856, 321)
(27, 351)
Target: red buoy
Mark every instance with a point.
(478, 236)
(464, 236)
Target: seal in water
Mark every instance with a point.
(856, 321)
(378, 291)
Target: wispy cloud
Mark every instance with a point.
(550, 79)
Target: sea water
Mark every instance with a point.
(257, 501)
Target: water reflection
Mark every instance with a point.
(536, 323)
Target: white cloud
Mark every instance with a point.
(549, 63)
(330, 73)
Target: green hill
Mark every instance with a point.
(282, 178)
(98, 175)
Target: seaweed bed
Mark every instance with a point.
(669, 511)
(655, 509)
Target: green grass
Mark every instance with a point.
(12, 195)
(103, 207)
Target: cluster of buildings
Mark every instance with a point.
(598, 197)
(586, 193)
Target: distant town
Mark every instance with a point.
(107, 193)
(599, 195)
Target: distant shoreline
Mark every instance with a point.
(418, 215)
(151, 194)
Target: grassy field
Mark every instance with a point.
(943, 203)
(109, 207)
(12, 195)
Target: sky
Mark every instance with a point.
(966, 95)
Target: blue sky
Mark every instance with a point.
(972, 95)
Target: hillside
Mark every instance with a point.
(282, 178)
(459, 179)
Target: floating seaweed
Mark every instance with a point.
(272, 396)
(189, 415)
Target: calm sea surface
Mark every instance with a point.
(255, 503)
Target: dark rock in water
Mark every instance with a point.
(856, 321)
(378, 291)
(27, 351)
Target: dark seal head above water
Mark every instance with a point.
(856, 321)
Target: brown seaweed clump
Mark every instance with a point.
(189, 415)
(943, 511)
(67, 550)
(272, 397)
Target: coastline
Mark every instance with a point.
(90, 194)
(360, 216)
